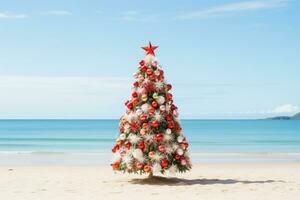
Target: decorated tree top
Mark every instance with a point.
(150, 138)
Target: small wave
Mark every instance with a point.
(222, 154)
(33, 152)
(59, 139)
(55, 152)
(49, 152)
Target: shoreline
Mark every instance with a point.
(261, 181)
(58, 158)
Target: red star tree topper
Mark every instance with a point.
(150, 49)
(150, 138)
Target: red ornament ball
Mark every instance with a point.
(135, 101)
(127, 144)
(154, 124)
(169, 117)
(115, 148)
(177, 156)
(144, 68)
(151, 109)
(115, 165)
(159, 137)
(142, 63)
(134, 94)
(136, 84)
(141, 145)
(145, 125)
(185, 145)
(170, 96)
(139, 165)
(161, 148)
(170, 125)
(143, 117)
(173, 107)
(154, 104)
(130, 105)
(169, 86)
(152, 77)
(149, 71)
(164, 163)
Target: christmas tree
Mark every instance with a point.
(150, 138)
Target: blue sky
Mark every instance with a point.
(75, 59)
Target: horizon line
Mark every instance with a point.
(2, 119)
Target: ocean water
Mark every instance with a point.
(90, 141)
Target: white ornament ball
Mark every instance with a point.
(145, 107)
(187, 154)
(180, 139)
(157, 73)
(180, 152)
(168, 131)
(137, 154)
(162, 108)
(155, 95)
(122, 136)
(160, 100)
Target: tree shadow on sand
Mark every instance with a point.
(156, 180)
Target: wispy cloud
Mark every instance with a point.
(56, 12)
(282, 109)
(233, 8)
(137, 16)
(287, 108)
(9, 15)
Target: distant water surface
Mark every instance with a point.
(49, 141)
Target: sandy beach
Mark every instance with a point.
(274, 181)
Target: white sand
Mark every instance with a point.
(207, 181)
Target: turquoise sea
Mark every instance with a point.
(90, 141)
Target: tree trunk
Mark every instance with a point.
(150, 175)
